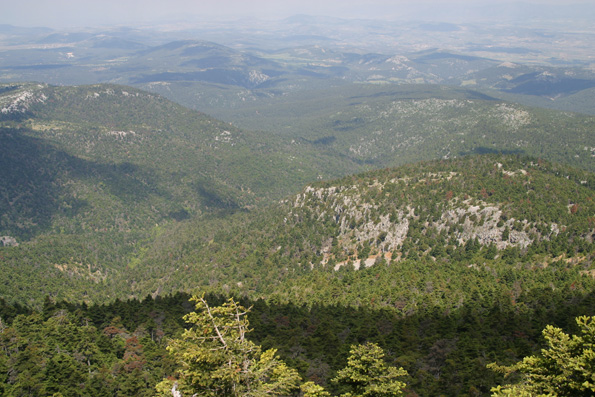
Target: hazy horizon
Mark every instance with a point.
(88, 13)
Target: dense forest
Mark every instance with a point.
(447, 266)
(99, 197)
(440, 275)
(121, 348)
(479, 216)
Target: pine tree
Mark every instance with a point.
(217, 359)
(566, 367)
(366, 373)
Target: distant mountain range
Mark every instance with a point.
(306, 52)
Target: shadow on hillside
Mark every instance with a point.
(39, 182)
(214, 196)
(444, 351)
(535, 84)
(419, 91)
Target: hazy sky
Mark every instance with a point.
(64, 13)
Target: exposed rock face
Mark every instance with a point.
(393, 233)
(363, 221)
(255, 77)
(21, 100)
(8, 241)
(487, 231)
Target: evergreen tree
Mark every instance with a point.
(566, 367)
(366, 373)
(217, 359)
(311, 389)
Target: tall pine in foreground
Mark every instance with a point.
(366, 373)
(217, 359)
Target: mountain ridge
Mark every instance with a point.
(93, 173)
(430, 212)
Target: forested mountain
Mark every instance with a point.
(97, 179)
(479, 212)
(448, 265)
(389, 125)
(312, 206)
(111, 192)
(91, 174)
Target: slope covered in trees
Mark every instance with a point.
(480, 215)
(92, 174)
(120, 348)
(461, 263)
(388, 125)
(446, 265)
(99, 179)
(412, 279)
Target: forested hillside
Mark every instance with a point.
(461, 263)
(99, 179)
(480, 211)
(92, 174)
(120, 348)
(447, 265)
(388, 125)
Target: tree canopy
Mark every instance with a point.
(366, 373)
(216, 358)
(566, 367)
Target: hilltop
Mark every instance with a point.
(479, 212)
(448, 264)
(401, 183)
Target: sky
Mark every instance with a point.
(80, 13)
